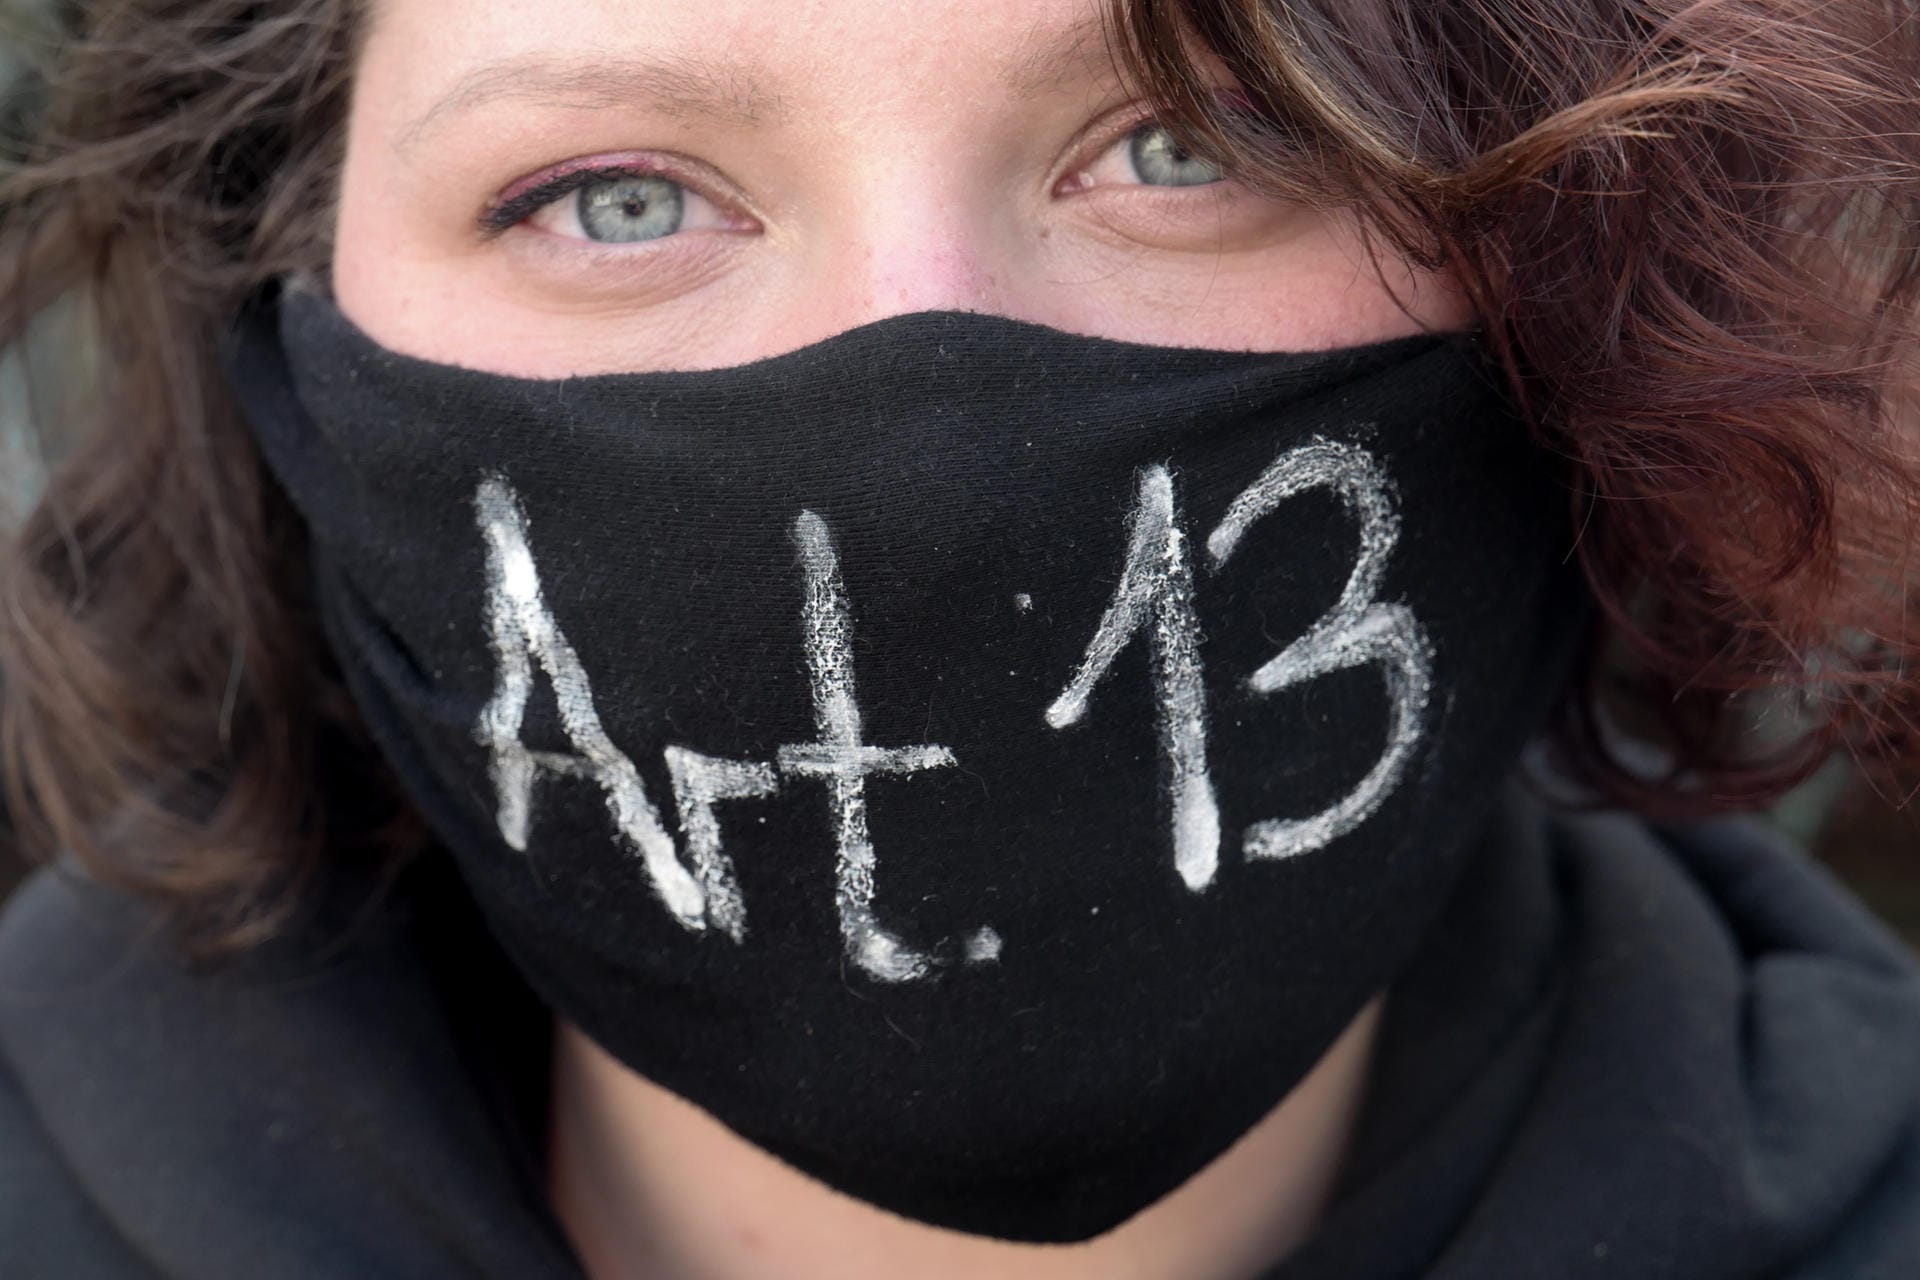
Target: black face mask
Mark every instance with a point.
(983, 766)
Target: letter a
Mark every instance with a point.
(523, 633)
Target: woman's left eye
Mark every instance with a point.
(1159, 160)
(612, 207)
(1148, 156)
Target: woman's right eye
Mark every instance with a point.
(627, 209)
(611, 206)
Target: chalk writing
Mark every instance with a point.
(1154, 598)
(1357, 631)
(523, 632)
(698, 783)
(843, 761)
(1156, 593)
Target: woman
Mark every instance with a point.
(742, 640)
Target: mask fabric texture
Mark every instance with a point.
(985, 767)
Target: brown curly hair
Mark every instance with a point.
(1691, 231)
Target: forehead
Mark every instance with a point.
(745, 59)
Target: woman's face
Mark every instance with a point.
(648, 184)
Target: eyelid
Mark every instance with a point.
(1116, 127)
(528, 196)
(1099, 136)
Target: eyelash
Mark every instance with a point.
(1111, 138)
(503, 215)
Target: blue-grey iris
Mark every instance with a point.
(1160, 161)
(635, 208)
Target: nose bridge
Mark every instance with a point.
(919, 235)
(950, 267)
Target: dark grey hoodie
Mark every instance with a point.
(1624, 1052)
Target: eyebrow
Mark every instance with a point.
(1056, 60)
(673, 85)
(680, 86)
